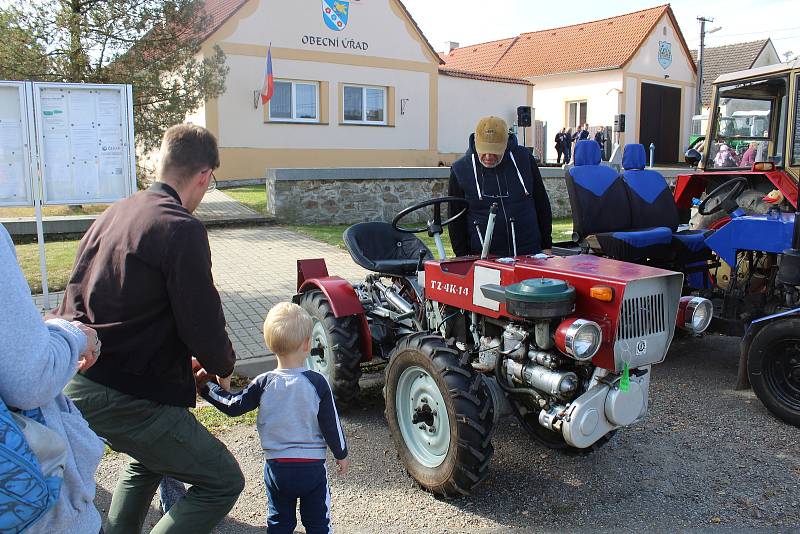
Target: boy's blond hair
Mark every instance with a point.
(286, 328)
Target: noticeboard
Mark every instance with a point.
(85, 138)
(16, 171)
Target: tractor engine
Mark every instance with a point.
(568, 352)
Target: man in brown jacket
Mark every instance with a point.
(142, 279)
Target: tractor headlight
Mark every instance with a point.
(579, 338)
(695, 314)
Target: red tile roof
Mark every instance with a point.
(484, 77)
(598, 45)
(219, 12)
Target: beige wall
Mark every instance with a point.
(463, 102)
(241, 125)
(552, 93)
(285, 23)
(645, 62)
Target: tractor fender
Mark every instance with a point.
(753, 328)
(344, 302)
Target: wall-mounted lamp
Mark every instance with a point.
(403, 104)
(256, 98)
(666, 76)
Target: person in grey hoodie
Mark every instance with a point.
(37, 359)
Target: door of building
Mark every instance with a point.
(660, 121)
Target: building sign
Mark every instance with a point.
(335, 14)
(664, 54)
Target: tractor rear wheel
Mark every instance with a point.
(338, 357)
(440, 415)
(773, 364)
(552, 440)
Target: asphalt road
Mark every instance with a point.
(706, 458)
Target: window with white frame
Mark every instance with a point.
(364, 105)
(576, 113)
(295, 101)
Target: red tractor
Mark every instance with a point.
(564, 343)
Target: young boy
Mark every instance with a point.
(297, 418)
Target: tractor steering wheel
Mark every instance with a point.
(437, 224)
(725, 200)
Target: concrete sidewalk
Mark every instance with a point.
(217, 209)
(255, 268)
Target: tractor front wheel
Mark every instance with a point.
(440, 415)
(773, 364)
(337, 355)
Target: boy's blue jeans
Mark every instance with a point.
(289, 481)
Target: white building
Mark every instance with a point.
(356, 84)
(636, 65)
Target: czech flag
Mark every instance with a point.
(268, 89)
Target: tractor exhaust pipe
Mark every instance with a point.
(394, 298)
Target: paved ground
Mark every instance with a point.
(255, 268)
(217, 207)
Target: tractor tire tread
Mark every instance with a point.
(344, 334)
(473, 415)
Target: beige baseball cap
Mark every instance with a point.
(491, 136)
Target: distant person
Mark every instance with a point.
(600, 138)
(297, 422)
(726, 157)
(584, 133)
(495, 169)
(749, 156)
(37, 359)
(559, 141)
(567, 146)
(142, 279)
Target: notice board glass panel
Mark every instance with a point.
(15, 168)
(84, 135)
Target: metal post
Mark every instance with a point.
(652, 154)
(42, 260)
(699, 100)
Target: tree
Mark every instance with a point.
(154, 45)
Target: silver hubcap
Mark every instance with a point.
(322, 363)
(422, 417)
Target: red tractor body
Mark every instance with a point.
(457, 283)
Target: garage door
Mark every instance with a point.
(660, 121)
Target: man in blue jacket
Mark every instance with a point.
(495, 169)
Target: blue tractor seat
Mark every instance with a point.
(601, 211)
(651, 204)
(378, 247)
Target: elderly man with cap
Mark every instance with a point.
(496, 170)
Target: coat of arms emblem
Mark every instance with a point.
(335, 14)
(664, 54)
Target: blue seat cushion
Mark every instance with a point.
(597, 194)
(650, 198)
(636, 245)
(690, 245)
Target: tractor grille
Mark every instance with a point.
(642, 317)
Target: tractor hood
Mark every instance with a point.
(638, 322)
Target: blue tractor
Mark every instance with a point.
(748, 266)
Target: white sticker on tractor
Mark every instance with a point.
(641, 347)
(483, 276)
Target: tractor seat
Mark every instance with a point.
(652, 204)
(601, 211)
(378, 247)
